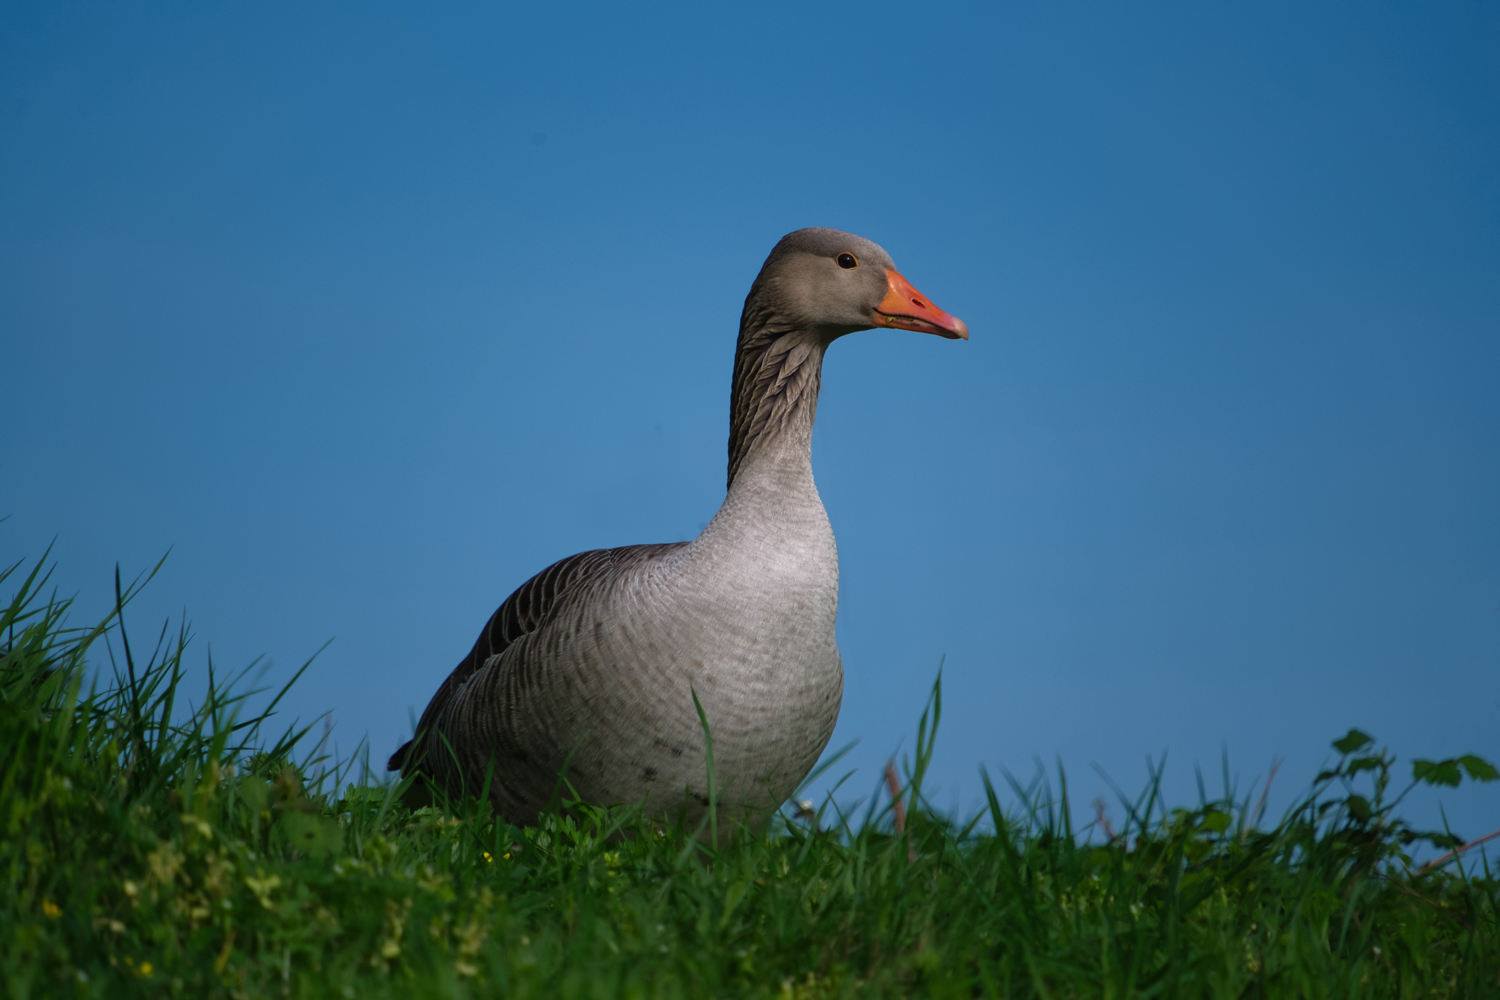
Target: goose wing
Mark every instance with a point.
(523, 612)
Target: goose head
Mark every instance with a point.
(831, 283)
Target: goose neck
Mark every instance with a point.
(773, 405)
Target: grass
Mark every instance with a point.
(151, 847)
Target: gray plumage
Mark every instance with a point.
(592, 663)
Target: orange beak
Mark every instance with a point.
(905, 308)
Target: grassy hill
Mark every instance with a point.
(154, 847)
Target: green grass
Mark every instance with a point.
(152, 847)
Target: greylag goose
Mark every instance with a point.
(590, 668)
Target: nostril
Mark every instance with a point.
(919, 303)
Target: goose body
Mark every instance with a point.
(591, 666)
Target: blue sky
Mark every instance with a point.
(370, 311)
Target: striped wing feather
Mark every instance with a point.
(523, 612)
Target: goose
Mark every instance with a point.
(594, 669)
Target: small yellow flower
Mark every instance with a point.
(489, 860)
(51, 909)
(262, 888)
(199, 824)
(144, 969)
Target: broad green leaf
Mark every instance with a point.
(1359, 764)
(1216, 820)
(314, 836)
(1359, 807)
(254, 792)
(1442, 772)
(1479, 769)
(1439, 838)
(1352, 741)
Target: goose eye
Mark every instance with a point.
(846, 260)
